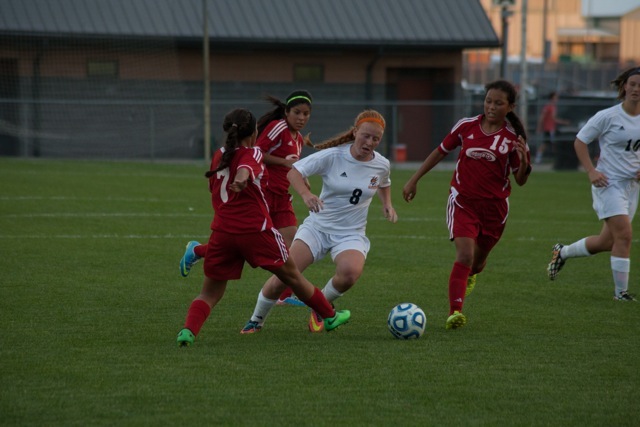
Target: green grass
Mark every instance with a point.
(91, 300)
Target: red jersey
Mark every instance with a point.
(549, 117)
(246, 211)
(485, 160)
(276, 140)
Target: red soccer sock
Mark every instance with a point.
(319, 304)
(285, 294)
(457, 286)
(196, 316)
(200, 250)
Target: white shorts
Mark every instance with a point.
(321, 243)
(618, 198)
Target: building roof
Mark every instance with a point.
(607, 8)
(404, 23)
(585, 33)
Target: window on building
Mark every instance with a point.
(308, 73)
(102, 69)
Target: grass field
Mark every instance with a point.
(91, 300)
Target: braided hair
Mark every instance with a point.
(347, 136)
(238, 124)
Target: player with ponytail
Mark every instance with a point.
(281, 141)
(615, 183)
(492, 146)
(242, 231)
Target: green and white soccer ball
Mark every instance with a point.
(407, 321)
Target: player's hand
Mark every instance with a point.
(521, 148)
(238, 186)
(313, 203)
(391, 215)
(598, 179)
(409, 191)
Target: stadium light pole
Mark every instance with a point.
(523, 65)
(505, 14)
(207, 84)
(545, 43)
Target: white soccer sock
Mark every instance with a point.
(620, 268)
(575, 250)
(263, 307)
(330, 292)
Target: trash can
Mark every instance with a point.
(565, 154)
(400, 153)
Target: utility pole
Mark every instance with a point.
(207, 84)
(546, 45)
(523, 66)
(505, 13)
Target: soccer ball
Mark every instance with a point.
(407, 321)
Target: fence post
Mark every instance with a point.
(152, 132)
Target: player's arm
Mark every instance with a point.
(596, 177)
(270, 159)
(241, 180)
(522, 174)
(411, 187)
(298, 182)
(384, 193)
(265, 143)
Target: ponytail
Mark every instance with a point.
(238, 125)
(511, 92)
(517, 125)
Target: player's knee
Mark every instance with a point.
(346, 280)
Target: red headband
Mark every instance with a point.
(372, 120)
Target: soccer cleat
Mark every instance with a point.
(624, 296)
(456, 320)
(189, 258)
(556, 261)
(292, 300)
(339, 319)
(316, 324)
(251, 327)
(471, 283)
(185, 338)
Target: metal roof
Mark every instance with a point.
(406, 23)
(608, 8)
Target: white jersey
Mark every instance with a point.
(619, 137)
(348, 185)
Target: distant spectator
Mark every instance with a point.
(547, 125)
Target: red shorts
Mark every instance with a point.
(226, 253)
(480, 219)
(281, 210)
